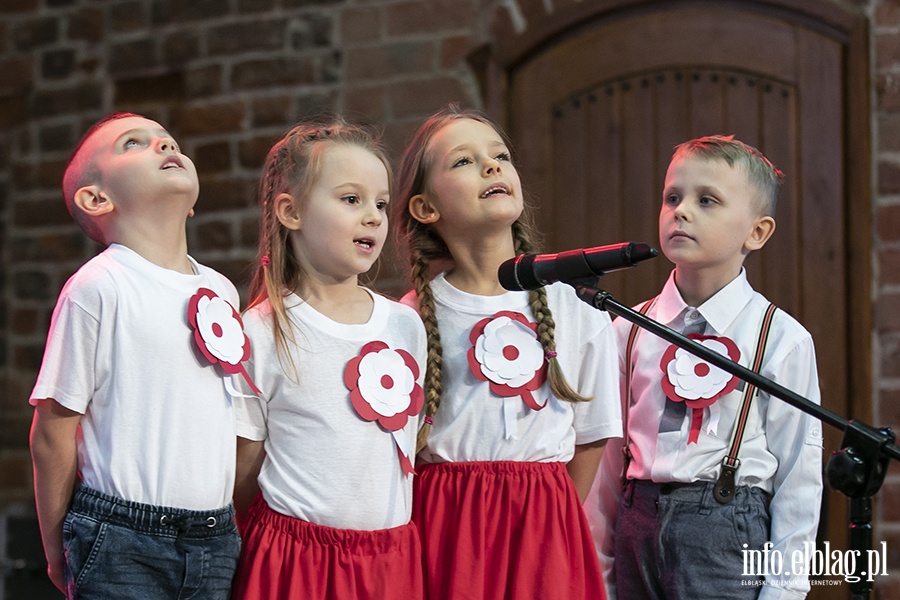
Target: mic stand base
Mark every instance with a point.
(858, 470)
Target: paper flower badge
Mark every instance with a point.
(383, 388)
(219, 333)
(507, 353)
(692, 380)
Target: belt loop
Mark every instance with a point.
(707, 501)
(628, 496)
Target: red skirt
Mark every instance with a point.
(284, 558)
(504, 530)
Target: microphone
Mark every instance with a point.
(531, 271)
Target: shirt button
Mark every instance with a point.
(694, 315)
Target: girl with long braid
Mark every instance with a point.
(519, 399)
(326, 451)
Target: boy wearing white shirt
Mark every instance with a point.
(133, 436)
(671, 533)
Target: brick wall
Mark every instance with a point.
(886, 250)
(227, 77)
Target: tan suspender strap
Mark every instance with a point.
(724, 488)
(629, 366)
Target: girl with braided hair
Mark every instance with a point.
(519, 399)
(326, 451)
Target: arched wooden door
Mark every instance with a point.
(595, 109)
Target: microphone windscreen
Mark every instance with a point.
(517, 274)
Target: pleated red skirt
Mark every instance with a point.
(504, 530)
(284, 558)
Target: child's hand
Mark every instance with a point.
(56, 571)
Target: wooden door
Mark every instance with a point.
(595, 112)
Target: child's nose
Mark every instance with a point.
(491, 166)
(167, 145)
(374, 217)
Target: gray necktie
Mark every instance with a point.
(674, 412)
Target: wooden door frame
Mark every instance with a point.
(495, 64)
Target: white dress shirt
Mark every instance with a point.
(781, 450)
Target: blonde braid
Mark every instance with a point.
(434, 362)
(537, 299)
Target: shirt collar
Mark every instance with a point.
(719, 311)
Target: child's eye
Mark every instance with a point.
(462, 161)
(672, 199)
(351, 199)
(381, 205)
(504, 156)
(131, 143)
(706, 201)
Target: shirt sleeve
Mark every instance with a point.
(795, 439)
(251, 409)
(250, 413)
(68, 371)
(601, 418)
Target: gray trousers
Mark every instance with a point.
(675, 542)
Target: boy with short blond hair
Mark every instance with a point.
(133, 437)
(679, 529)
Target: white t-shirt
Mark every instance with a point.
(782, 446)
(324, 463)
(475, 424)
(158, 424)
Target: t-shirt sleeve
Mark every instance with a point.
(600, 418)
(68, 371)
(250, 408)
(250, 416)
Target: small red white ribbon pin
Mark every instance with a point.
(507, 354)
(383, 388)
(219, 333)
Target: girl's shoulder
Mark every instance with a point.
(406, 306)
(569, 311)
(411, 300)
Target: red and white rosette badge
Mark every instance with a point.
(219, 334)
(692, 380)
(383, 388)
(507, 354)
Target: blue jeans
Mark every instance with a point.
(120, 549)
(673, 541)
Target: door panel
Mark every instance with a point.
(596, 114)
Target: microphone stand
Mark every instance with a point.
(857, 469)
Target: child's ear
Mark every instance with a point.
(92, 201)
(763, 228)
(423, 210)
(287, 211)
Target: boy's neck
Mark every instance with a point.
(698, 286)
(164, 249)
